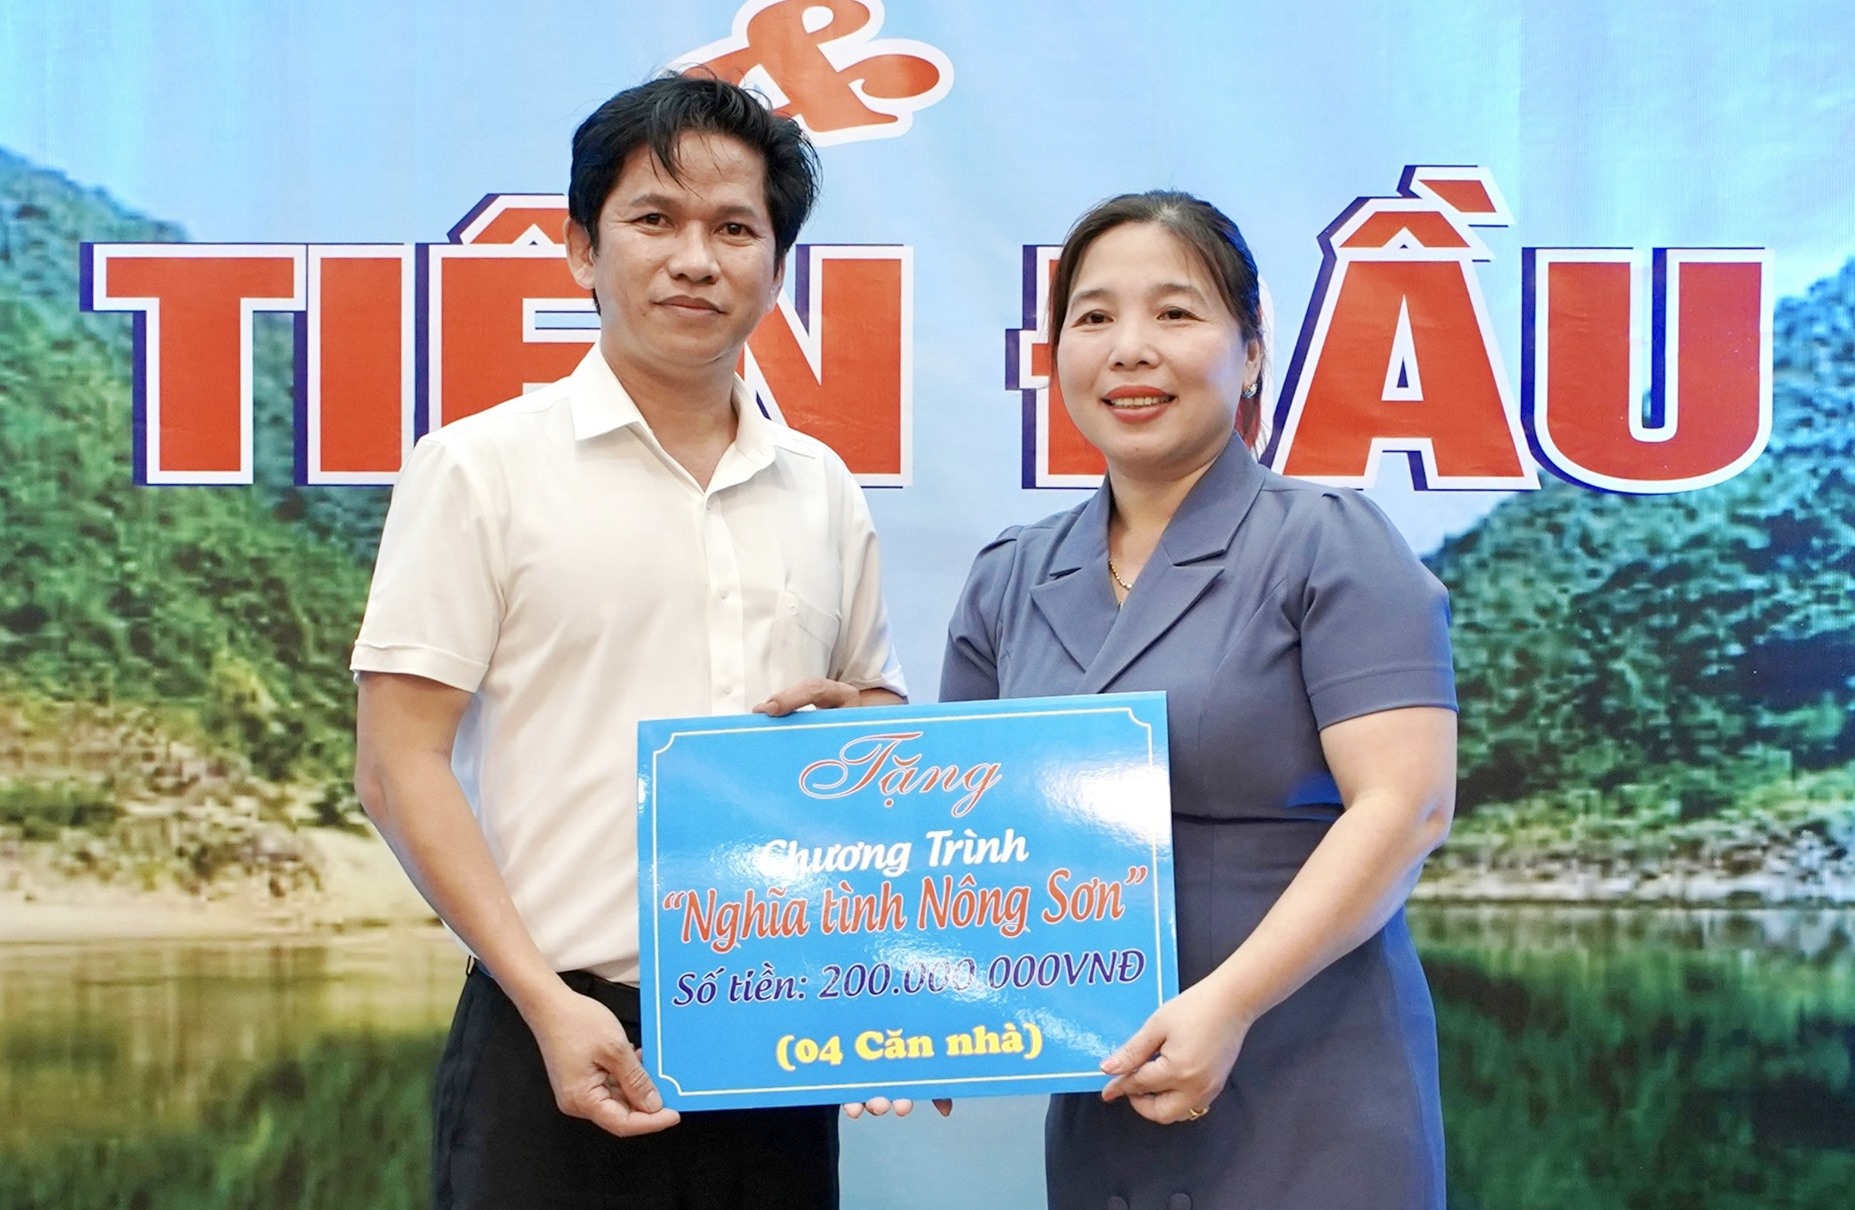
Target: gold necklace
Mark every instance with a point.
(1116, 576)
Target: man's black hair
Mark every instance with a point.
(656, 114)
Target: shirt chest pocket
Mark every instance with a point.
(806, 634)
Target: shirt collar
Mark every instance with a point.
(601, 405)
(755, 436)
(600, 402)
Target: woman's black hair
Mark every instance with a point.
(1212, 237)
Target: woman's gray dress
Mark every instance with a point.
(1271, 608)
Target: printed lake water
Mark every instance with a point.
(1591, 1058)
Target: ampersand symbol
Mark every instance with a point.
(819, 92)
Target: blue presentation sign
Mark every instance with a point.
(953, 900)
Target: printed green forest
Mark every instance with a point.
(170, 659)
(1660, 690)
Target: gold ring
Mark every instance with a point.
(1197, 1113)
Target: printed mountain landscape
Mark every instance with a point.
(174, 699)
(1661, 690)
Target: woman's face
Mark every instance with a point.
(1151, 363)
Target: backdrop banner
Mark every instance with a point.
(1565, 289)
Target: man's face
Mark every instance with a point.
(683, 270)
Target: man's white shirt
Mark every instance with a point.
(550, 558)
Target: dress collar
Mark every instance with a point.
(1204, 525)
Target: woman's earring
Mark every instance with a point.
(1249, 392)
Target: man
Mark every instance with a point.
(633, 541)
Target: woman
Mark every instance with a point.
(1305, 656)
